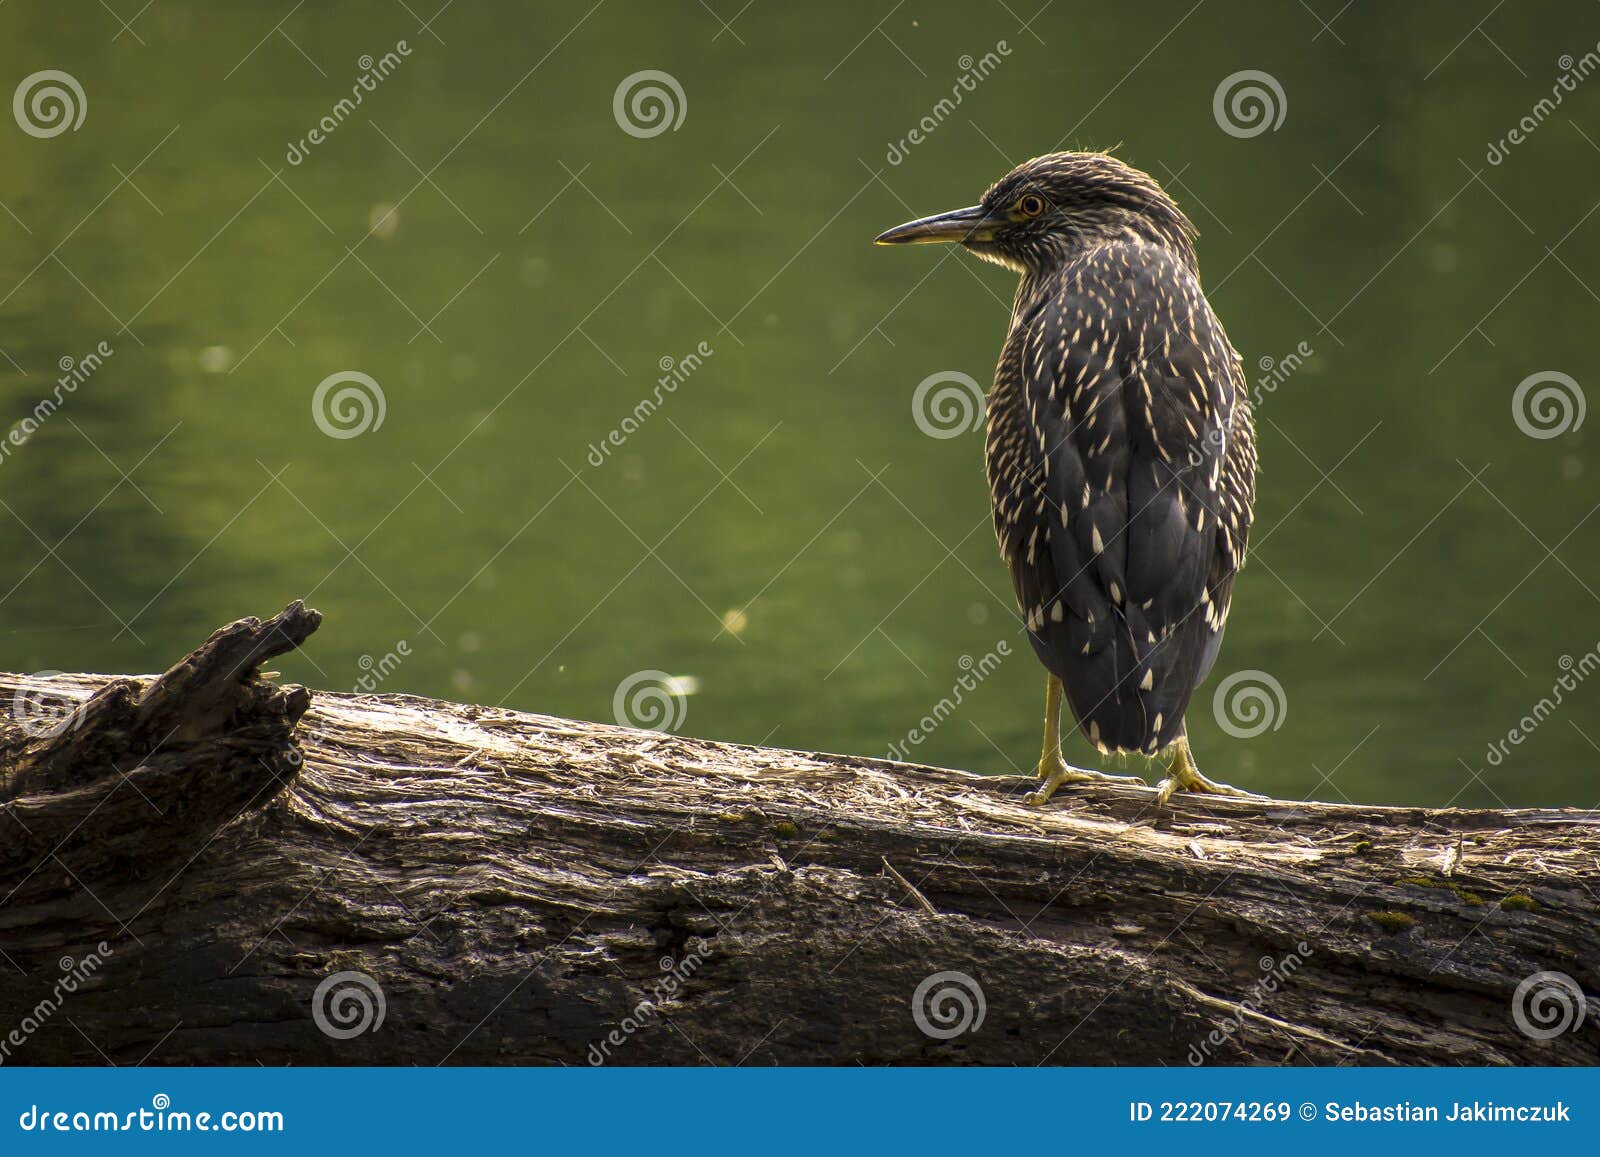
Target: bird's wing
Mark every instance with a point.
(1235, 494)
(1128, 443)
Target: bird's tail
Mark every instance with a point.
(1126, 692)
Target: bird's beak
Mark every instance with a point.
(960, 226)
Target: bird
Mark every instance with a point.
(1120, 453)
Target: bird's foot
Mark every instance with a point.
(1053, 772)
(1183, 775)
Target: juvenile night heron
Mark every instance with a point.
(1120, 451)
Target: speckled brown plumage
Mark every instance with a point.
(1120, 448)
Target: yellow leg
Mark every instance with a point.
(1053, 770)
(1183, 775)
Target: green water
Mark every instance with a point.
(482, 239)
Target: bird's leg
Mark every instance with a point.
(1183, 775)
(1053, 770)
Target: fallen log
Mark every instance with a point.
(207, 868)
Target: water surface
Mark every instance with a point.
(516, 272)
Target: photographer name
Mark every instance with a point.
(1459, 1113)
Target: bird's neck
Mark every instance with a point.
(1040, 277)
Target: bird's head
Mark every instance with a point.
(1050, 208)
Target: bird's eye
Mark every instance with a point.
(1030, 205)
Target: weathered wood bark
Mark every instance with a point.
(517, 888)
